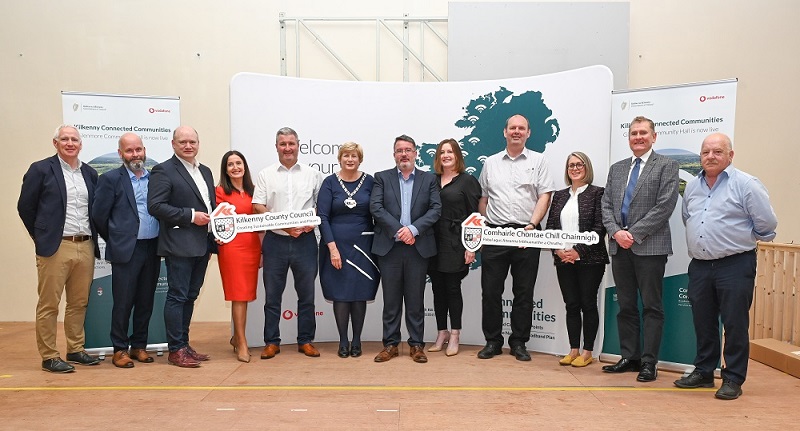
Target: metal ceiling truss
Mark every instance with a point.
(422, 23)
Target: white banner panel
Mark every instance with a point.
(684, 115)
(568, 111)
(102, 119)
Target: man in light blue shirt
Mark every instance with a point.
(726, 211)
(131, 235)
(405, 204)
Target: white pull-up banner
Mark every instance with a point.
(102, 119)
(684, 115)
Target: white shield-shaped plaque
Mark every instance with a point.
(224, 229)
(471, 238)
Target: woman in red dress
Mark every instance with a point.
(239, 259)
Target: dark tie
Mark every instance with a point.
(626, 201)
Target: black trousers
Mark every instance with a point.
(637, 276)
(447, 297)
(722, 288)
(523, 263)
(579, 284)
(133, 286)
(403, 280)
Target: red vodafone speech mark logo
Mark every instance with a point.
(702, 98)
(288, 314)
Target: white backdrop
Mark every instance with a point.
(328, 113)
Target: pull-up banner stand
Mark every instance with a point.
(684, 115)
(102, 119)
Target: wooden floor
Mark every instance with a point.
(292, 391)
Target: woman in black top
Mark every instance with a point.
(579, 267)
(460, 192)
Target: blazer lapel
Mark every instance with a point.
(416, 188)
(58, 174)
(394, 183)
(648, 168)
(181, 169)
(128, 188)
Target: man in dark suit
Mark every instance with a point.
(54, 205)
(131, 235)
(641, 193)
(405, 204)
(181, 196)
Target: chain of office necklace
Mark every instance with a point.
(350, 202)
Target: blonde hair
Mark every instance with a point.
(350, 146)
(587, 168)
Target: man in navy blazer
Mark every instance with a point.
(181, 196)
(131, 235)
(639, 242)
(54, 205)
(405, 204)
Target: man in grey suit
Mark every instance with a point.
(641, 193)
(131, 235)
(181, 196)
(405, 204)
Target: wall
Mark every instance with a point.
(192, 48)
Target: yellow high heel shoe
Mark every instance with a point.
(442, 338)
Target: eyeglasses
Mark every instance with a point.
(576, 166)
(404, 151)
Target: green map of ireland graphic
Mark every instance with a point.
(485, 118)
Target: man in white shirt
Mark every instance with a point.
(181, 196)
(54, 205)
(288, 186)
(517, 187)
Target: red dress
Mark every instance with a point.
(240, 258)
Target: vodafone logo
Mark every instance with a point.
(704, 98)
(158, 110)
(288, 314)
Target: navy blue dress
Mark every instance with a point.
(359, 277)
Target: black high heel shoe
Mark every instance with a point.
(343, 352)
(355, 351)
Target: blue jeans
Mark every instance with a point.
(282, 253)
(185, 278)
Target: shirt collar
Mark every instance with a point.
(579, 191)
(644, 156)
(523, 154)
(189, 166)
(400, 173)
(67, 166)
(132, 175)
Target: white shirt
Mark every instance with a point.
(513, 186)
(570, 214)
(200, 182)
(77, 221)
(292, 189)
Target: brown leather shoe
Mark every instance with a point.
(308, 349)
(418, 354)
(270, 350)
(197, 356)
(387, 353)
(121, 359)
(182, 358)
(141, 355)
